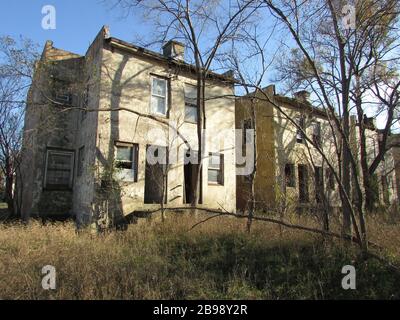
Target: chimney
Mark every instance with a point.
(302, 95)
(229, 74)
(174, 50)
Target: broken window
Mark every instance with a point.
(62, 92)
(159, 96)
(59, 169)
(290, 180)
(81, 160)
(300, 129)
(316, 135)
(126, 161)
(303, 184)
(216, 168)
(190, 103)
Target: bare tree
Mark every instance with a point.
(333, 52)
(16, 66)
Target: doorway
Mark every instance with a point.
(191, 169)
(156, 175)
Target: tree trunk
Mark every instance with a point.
(9, 185)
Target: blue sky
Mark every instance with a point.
(78, 22)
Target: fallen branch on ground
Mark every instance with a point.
(219, 213)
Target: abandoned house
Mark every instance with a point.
(290, 172)
(92, 120)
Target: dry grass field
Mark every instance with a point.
(216, 260)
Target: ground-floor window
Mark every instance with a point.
(126, 161)
(59, 169)
(216, 169)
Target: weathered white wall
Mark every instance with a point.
(126, 83)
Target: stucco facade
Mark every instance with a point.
(291, 173)
(117, 86)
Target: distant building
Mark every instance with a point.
(290, 172)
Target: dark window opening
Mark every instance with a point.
(155, 187)
(59, 169)
(303, 184)
(191, 168)
(290, 179)
(300, 129)
(319, 184)
(317, 134)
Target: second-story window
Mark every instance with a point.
(300, 129)
(316, 135)
(62, 92)
(190, 103)
(159, 96)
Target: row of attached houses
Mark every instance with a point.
(290, 171)
(94, 125)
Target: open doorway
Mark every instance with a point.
(191, 168)
(303, 183)
(156, 175)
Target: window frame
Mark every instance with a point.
(46, 185)
(190, 104)
(134, 162)
(166, 98)
(62, 92)
(221, 175)
(301, 122)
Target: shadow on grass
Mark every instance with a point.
(246, 268)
